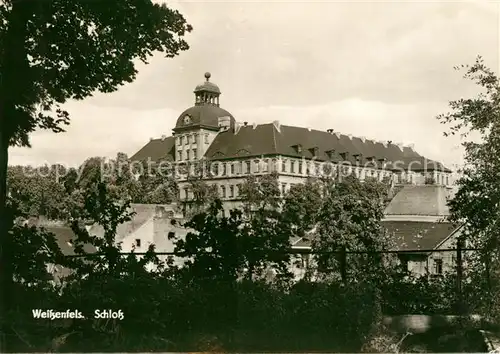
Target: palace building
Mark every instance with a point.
(208, 133)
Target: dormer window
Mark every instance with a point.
(298, 148)
(187, 119)
(330, 153)
(343, 155)
(314, 151)
(382, 161)
(357, 157)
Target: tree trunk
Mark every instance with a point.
(15, 90)
(5, 273)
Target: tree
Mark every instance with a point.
(260, 193)
(56, 50)
(38, 191)
(301, 206)
(476, 204)
(350, 220)
(156, 185)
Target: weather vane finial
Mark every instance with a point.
(207, 75)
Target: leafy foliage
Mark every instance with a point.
(476, 203)
(349, 219)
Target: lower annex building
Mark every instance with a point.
(206, 133)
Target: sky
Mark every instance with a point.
(382, 70)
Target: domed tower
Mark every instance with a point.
(207, 92)
(198, 125)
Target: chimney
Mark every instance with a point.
(254, 125)
(385, 142)
(412, 146)
(363, 139)
(330, 131)
(151, 139)
(277, 125)
(308, 129)
(349, 136)
(237, 127)
(337, 134)
(400, 146)
(163, 137)
(245, 123)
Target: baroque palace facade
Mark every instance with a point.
(206, 133)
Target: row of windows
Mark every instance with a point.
(234, 190)
(437, 265)
(298, 167)
(187, 154)
(293, 167)
(191, 139)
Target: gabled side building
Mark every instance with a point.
(417, 220)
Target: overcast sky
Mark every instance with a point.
(382, 70)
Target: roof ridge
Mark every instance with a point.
(274, 138)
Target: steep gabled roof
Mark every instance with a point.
(65, 236)
(266, 139)
(156, 150)
(428, 200)
(406, 235)
(414, 235)
(142, 214)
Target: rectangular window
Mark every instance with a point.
(179, 155)
(317, 170)
(206, 138)
(231, 191)
(187, 139)
(223, 169)
(171, 235)
(138, 242)
(232, 169)
(283, 165)
(300, 168)
(247, 163)
(257, 166)
(223, 191)
(180, 140)
(216, 169)
(292, 166)
(438, 266)
(283, 188)
(195, 157)
(186, 193)
(187, 154)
